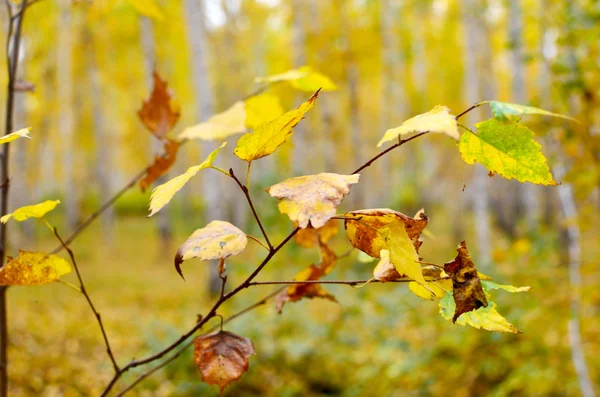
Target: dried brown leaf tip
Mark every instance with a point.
(161, 165)
(160, 112)
(296, 292)
(467, 290)
(222, 357)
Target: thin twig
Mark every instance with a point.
(247, 194)
(340, 282)
(468, 110)
(186, 345)
(381, 154)
(89, 300)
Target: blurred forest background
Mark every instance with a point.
(91, 64)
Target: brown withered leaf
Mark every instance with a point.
(310, 237)
(162, 164)
(385, 270)
(222, 357)
(364, 232)
(467, 290)
(160, 112)
(312, 199)
(296, 292)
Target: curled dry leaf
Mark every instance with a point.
(160, 112)
(375, 230)
(33, 268)
(385, 271)
(295, 292)
(31, 211)
(222, 357)
(312, 199)
(267, 137)
(162, 194)
(467, 290)
(437, 119)
(310, 237)
(162, 164)
(218, 240)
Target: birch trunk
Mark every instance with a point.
(66, 115)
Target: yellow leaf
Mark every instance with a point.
(403, 254)
(33, 268)
(261, 109)
(385, 271)
(31, 211)
(217, 240)
(437, 119)
(267, 137)
(303, 79)
(435, 289)
(313, 198)
(22, 133)
(162, 194)
(220, 126)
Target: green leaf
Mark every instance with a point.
(487, 318)
(490, 286)
(508, 148)
(162, 194)
(504, 111)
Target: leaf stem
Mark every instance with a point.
(249, 199)
(259, 242)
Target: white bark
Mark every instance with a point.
(66, 114)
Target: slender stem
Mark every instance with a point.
(248, 176)
(259, 242)
(340, 282)
(468, 110)
(89, 300)
(12, 67)
(186, 345)
(247, 194)
(212, 312)
(381, 154)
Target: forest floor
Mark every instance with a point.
(379, 341)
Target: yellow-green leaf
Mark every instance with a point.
(162, 194)
(220, 126)
(437, 119)
(267, 137)
(508, 148)
(22, 133)
(31, 211)
(487, 318)
(403, 254)
(490, 286)
(261, 109)
(303, 79)
(312, 199)
(217, 240)
(504, 111)
(434, 290)
(33, 268)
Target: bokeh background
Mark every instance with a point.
(91, 65)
